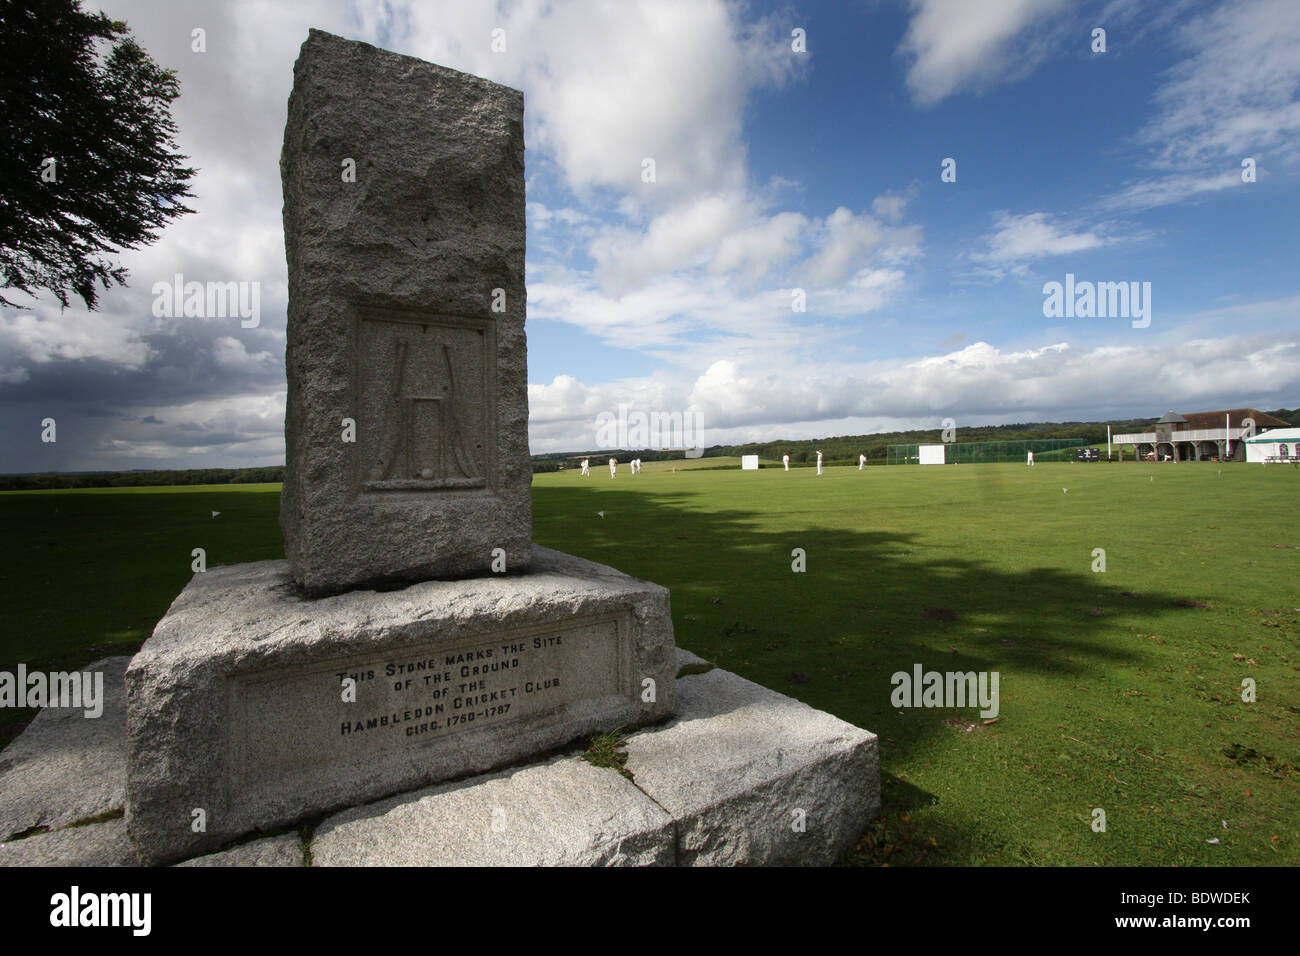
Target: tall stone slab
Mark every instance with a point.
(407, 419)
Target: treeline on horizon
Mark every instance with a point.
(142, 479)
(843, 449)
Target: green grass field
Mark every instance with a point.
(1119, 690)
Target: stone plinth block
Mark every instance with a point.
(752, 777)
(283, 850)
(66, 767)
(564, 812)
(240, 710)
(95, 844)
(406, 425)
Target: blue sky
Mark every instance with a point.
(775, 170)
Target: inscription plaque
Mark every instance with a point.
(429, 697)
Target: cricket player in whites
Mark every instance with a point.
(586, 468)
(819, 463)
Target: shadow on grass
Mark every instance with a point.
(870, 604)
(99, 571)
(88, 575)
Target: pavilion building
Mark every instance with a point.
(1220, 435)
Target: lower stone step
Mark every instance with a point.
(564, 812)
(741, 775)
(751, 776)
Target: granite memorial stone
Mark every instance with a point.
(415, 634)
(407, 418)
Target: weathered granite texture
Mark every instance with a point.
(743, 776)
(282, 850)
(65, 766)
(236, 706)
(564, 812)
(96, 844)
(406, 316)
(719, 785)
(752, 777)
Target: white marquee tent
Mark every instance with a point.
(1276, 443)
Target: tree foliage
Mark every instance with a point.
(78, 90)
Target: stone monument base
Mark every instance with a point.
(252, 706)
(741, 776)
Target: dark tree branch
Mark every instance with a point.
(106, 122)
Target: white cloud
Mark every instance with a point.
(868, 290)
(755, 251)
(1236, 93)
(685, 235)
(230, 354)
(762, 400)
(664, 314)
(542, 217)
(1018, 239)
(244, 426)
(71, 336)
(1163, 191)
(563, 416)
(732, 234)
(889, 208)
(563, 399)
(846, 240)
(610, 84)
(714, 300)
(959, 44)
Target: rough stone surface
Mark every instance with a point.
(739, 760)
(563, 812)
(64, 766)
(394, 321)
(96, 844)
(725, 774)
(235, 704)
(282, 850)
(686, 659)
